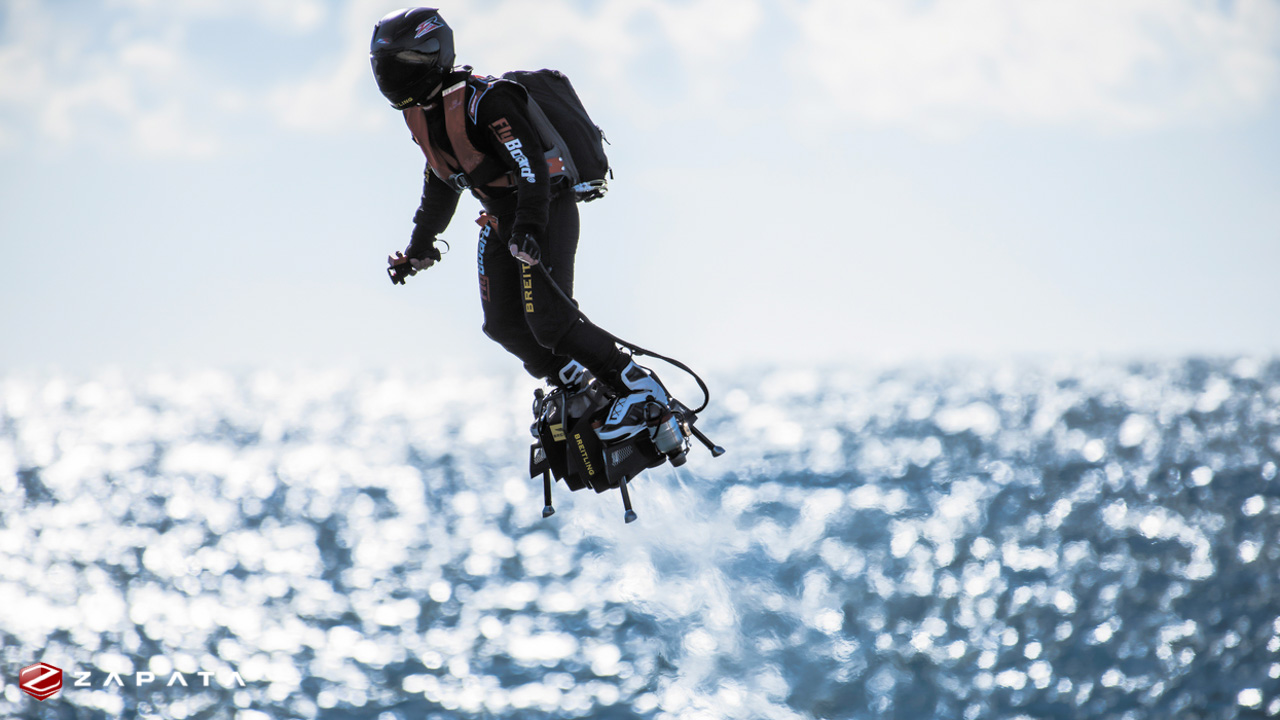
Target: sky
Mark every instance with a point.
(219, 182)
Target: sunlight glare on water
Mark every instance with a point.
(1045, 541)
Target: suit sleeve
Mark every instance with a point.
(439, 202)
(509, 135)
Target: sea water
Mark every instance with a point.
(1046, 540)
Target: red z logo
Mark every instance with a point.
(41, 681)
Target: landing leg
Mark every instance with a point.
(689, 419)
(629, 515)
(716, 450)
(547, 510)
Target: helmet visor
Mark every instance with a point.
(404, 69)
(417, 57)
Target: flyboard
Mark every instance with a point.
(567, 448)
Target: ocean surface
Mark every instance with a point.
(1054, 540)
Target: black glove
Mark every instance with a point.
(420, 255)
(422, 248)
(525, 248)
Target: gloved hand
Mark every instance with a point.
(420, 255)
(525, 248)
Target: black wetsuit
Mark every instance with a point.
(521, 311)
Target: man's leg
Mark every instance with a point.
(557, 324)
(553, 331)
(554, 321)
(502, 301)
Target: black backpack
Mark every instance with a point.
(552, 96)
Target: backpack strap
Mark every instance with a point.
(455, 100)
(467, 168)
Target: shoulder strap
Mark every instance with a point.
(444, 165)
(455, 125)
(480, 169)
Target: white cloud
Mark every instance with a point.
(940, 66)
(342, 95)
(293, 16)
(513, 33)
(22, 74)
(709, 31)
(1105, 63)
(620, 48)
(166, 132)
(80, 84)
(104, 94)
(147, 57)
(599, 42)
(122, 75)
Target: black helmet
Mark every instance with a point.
(411, 51)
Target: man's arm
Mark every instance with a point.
(439, 202)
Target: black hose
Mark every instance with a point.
(635, 349)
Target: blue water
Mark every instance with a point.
(1066, 540)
